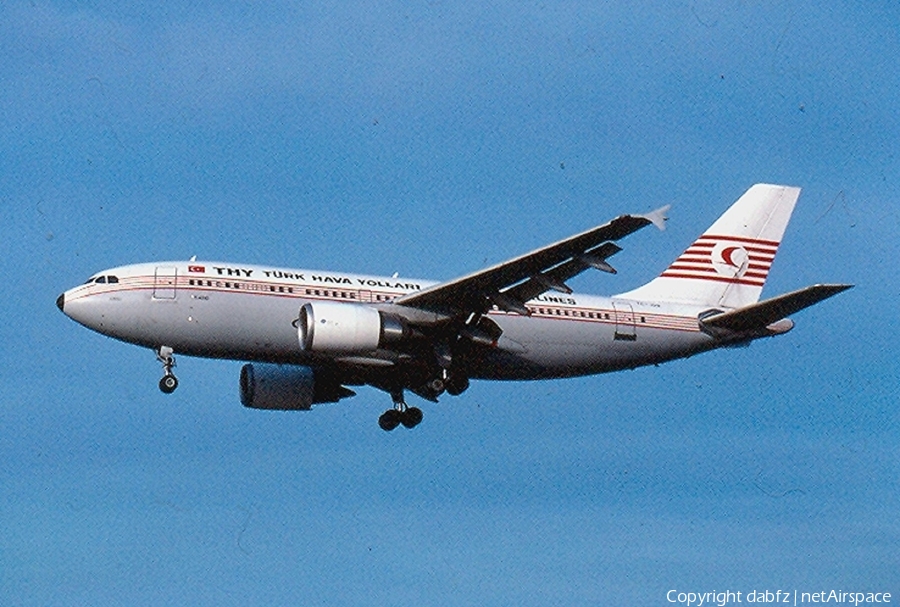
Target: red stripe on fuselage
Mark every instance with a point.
(148, 283)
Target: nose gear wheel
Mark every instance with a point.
(168, 383)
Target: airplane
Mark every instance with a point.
(306, 335)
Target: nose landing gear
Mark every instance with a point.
(169, 382)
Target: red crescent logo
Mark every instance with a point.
(726, 256)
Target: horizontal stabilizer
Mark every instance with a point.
(760, 315)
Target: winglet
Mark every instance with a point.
(658, 217)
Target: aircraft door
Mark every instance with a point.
(624, 321)
(164, 283)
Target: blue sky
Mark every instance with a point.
(432, 139)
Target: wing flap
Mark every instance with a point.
(760, 315)
(557, 276)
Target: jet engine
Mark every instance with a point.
(287, 387)
(347, 328)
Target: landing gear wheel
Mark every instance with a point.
(457, 384)
(411, 418)
(168, 384)
(390, 419)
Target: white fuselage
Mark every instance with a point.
(249, 312)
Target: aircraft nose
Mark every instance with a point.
(61, 302)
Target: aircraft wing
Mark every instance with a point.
(510, 284)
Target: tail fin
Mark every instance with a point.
(728, 265)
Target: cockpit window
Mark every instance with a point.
(102, 280)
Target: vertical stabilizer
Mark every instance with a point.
(728, 265)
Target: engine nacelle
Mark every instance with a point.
(346, 328)
(287, 387)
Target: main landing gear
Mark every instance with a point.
(169, 382)
(456, 384)
(410, 417)
(452, 383)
